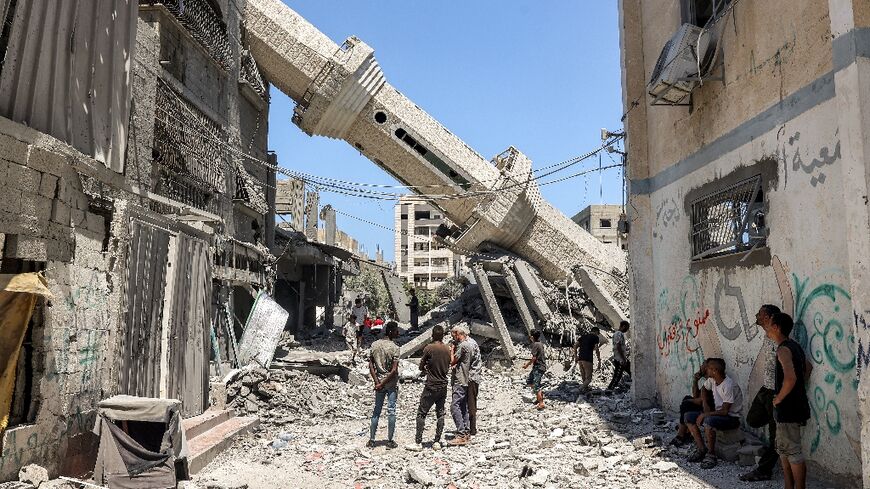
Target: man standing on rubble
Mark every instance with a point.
(584, 348)
(384, 369)
(474, 376)
(538, 362)
(360, 312)
(350, 336)
(461, 363)
(436, 364)
(620, 356)
(414, 306)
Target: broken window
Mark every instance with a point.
(418, 215)
(700, 12)
(25, 401)
(605, 223)
(730, 220)
(204, 22)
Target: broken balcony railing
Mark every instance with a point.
(727, 221)
(203, 21)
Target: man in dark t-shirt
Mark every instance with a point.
(436, 364)
(538, 362)
(414, 306)
(583, 349)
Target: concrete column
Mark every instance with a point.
(493, 310)
(519, 300)
(600, 297)
(853, 104)
(532, 289)
(641, 277)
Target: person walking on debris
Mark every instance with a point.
(761, 411)
(436, 364)
(414, 306)
(474, 377)
(621, 363)
(728, 403)
(791, 406)
(350, 336)
(461, 363)
(583, 349)
(384, 369)
(538, 362)
(360, 312)
(700, 400)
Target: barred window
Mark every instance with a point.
(728, 221)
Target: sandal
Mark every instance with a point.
(697, 456)
(709, 461)
(755, 476)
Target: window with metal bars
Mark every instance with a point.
(731, 220)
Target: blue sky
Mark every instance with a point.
(496, 73)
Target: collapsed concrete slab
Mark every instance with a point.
(492, 308)
(398, 297)
(520, 301)
(602, 299)
(528, 281)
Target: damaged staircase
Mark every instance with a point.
(211, 433)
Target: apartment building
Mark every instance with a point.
(420, 260)
(601, 221)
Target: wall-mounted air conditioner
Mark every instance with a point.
(676, 71)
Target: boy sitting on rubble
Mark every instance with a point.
(701, 398)
(728, 401)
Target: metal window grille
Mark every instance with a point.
(205, 25)
(249, 73)
(722, 222)
(188, 153)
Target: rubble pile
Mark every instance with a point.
(283, 396)
(580, 440)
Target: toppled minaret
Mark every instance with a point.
(341, 93)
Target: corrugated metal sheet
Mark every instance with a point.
(190, 327)
(67, 73)
(146, 278)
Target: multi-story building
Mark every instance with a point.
(420, 260)
(138, 183)
(751, 188)
(601, 221)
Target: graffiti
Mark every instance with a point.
(862, 360)
(732, 332)
(678, 331)
(667, 214)
(826, 158)
(819, 310)
(684, 332)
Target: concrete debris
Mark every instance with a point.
(315, 429)
(33, 474)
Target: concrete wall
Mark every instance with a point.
(792, 108)
(46, 218)
(591, 218)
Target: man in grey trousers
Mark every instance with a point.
(461, 363)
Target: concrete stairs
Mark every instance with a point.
(212, 432)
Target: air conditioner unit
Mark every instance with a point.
(676, 71)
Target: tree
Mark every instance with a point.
(370, 284)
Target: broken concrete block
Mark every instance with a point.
(540, 477)
(12, 149)
(417, 474)
(665, 466)
(33, 474)
(730, 437)
(586, 467)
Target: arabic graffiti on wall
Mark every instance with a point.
(681, 319)
(791, 152)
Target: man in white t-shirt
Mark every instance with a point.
(361, 312)
(728, 405)
(620, 356)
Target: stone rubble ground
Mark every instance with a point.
(314, 433)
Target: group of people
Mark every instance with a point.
(781, 404)
(590, 343)
(462, 355)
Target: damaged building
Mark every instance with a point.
(127, 189)
(747, 160)
(141, 195)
